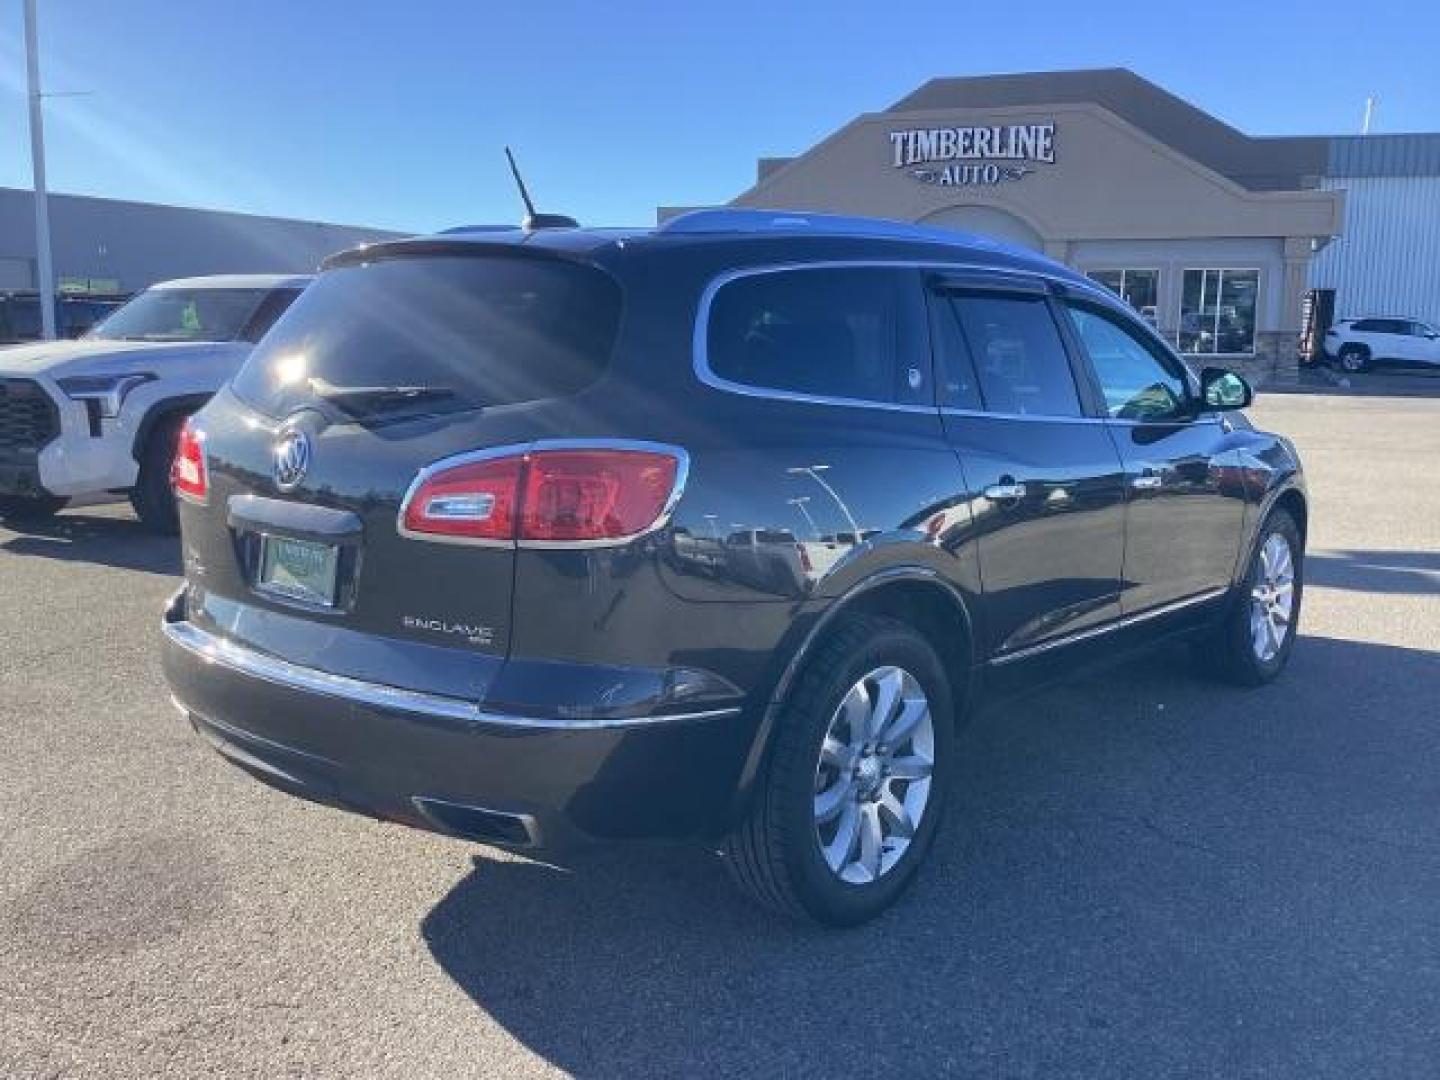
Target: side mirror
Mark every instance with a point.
(1224, 390)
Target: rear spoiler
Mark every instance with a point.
(498, 242)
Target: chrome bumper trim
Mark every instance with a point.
(227, 654)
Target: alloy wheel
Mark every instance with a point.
(873, 778)
(1272, 598)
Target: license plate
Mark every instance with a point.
(298, 569)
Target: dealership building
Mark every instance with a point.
(109, 245)
(1227, 242)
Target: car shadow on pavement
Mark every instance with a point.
(1144, 872)
(1375, 571)
(93, 538)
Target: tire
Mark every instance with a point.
(152, 497)
(776, 853)
(30, 507)
(1233, 651)
(1354, 358)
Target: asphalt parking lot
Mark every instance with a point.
(1147, 875)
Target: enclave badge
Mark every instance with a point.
(292, 459)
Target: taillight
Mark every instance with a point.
(474, 500)
(560, 495)
(188, 474)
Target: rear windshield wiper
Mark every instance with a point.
(374, 400)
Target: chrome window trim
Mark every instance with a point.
(677, 490)
(700, 343)
(1098, 631)
(981, 414)
(213, 649)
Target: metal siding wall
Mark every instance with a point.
(1384, 155)
(1387, 262)
(140, 243)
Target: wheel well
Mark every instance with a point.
(937, 614)
(1293, 503)
(161, 412)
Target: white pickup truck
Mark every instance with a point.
(101, 414)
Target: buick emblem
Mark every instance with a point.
(292, 459)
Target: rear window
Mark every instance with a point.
(436, 334)
(828, 332)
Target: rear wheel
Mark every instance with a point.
(856, 781)
(152, 496)
(30, 507)
(1354, 358)
(1253, 642)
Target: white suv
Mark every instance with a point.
(101, 414)
(1357, 343)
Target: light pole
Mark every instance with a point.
(799, 504)
(43, 268)
(814, 471)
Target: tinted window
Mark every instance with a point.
(1018, 356)
(270, 309)
(959, 388)
(1137, 382)
(181, 315)
(829, 333)
(1379, 326)
(436, 334)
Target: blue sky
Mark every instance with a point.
(393, 114)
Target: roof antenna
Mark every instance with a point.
(534, 221)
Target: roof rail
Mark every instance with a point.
(477, 228)
(727, 220)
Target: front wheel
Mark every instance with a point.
(1354, 358)
(856, 782)
(152, 497)
(1253, 642)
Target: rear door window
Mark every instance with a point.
(433, 334)
(1016, 353)
(848, 333)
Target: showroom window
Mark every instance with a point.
(1217, 312)
(1138, 288)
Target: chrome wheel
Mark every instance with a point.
(1272, 598)
(872, 782)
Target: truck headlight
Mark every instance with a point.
(108, 392)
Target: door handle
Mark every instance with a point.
(1147, 482)
(1007, 491)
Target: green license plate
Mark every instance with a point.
(298, 569)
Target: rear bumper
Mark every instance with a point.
(446, 764)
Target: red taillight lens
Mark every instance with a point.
(575, 495)
(188, 474)
(556, 496)
(474, 500)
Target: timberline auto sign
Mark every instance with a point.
(970, 156)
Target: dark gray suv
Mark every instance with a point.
(712, 532)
